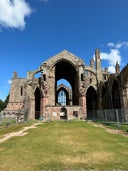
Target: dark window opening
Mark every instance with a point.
(75, 113)
(82, 77)
(63, 113)
(21, 91)
(104, 77)
(44, 77)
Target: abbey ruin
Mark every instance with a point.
(91, 88)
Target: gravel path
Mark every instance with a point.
(19, 133)
(113, 131)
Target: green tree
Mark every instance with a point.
(1, 105)
(4, 103)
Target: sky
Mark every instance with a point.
(31, 31)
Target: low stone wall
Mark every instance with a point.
(19, 115)
(60, 112)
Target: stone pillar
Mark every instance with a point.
(41, 107)
(92, 63)
(83, 106)
(117, 68)
(43, 103)
(98, 65)
(124, 98)
(100, 106)
(15, 75)
(31, 109)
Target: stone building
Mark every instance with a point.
(91, 88)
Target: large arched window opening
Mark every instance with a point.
(91, 99)
(116, 95)
(66, 71)
(37, 103)
(64, 91)
(38, 75)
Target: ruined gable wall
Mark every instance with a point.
(17, 94)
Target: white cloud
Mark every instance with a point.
(121, 44)
(112, 57)
(13, 13)
(9, 81)
(110, 44)
(117, 45)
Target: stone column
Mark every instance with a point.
(100, 106)
(41, 107)
(124, 98)
(82, 103)
(31, 110)
(43, 103)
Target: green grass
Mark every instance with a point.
(73, 145)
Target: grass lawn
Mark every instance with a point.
(71, 145)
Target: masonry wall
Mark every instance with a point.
(22, 92)
(54, 112)
(17, 94)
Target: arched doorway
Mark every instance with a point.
(37, 103)
(91, 99)
(65, 70)
(63, 113)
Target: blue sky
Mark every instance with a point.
(31, 31)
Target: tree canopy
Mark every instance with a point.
(4, 103)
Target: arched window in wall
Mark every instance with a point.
(64, 92)
(91, 99)
(38, 75)
(64, 82)
(62, 98)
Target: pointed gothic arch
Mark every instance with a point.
(92, 104)
(65, 70)
(66, 91)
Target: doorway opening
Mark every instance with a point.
(63, 113)
(91, 98)
(37, 103)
